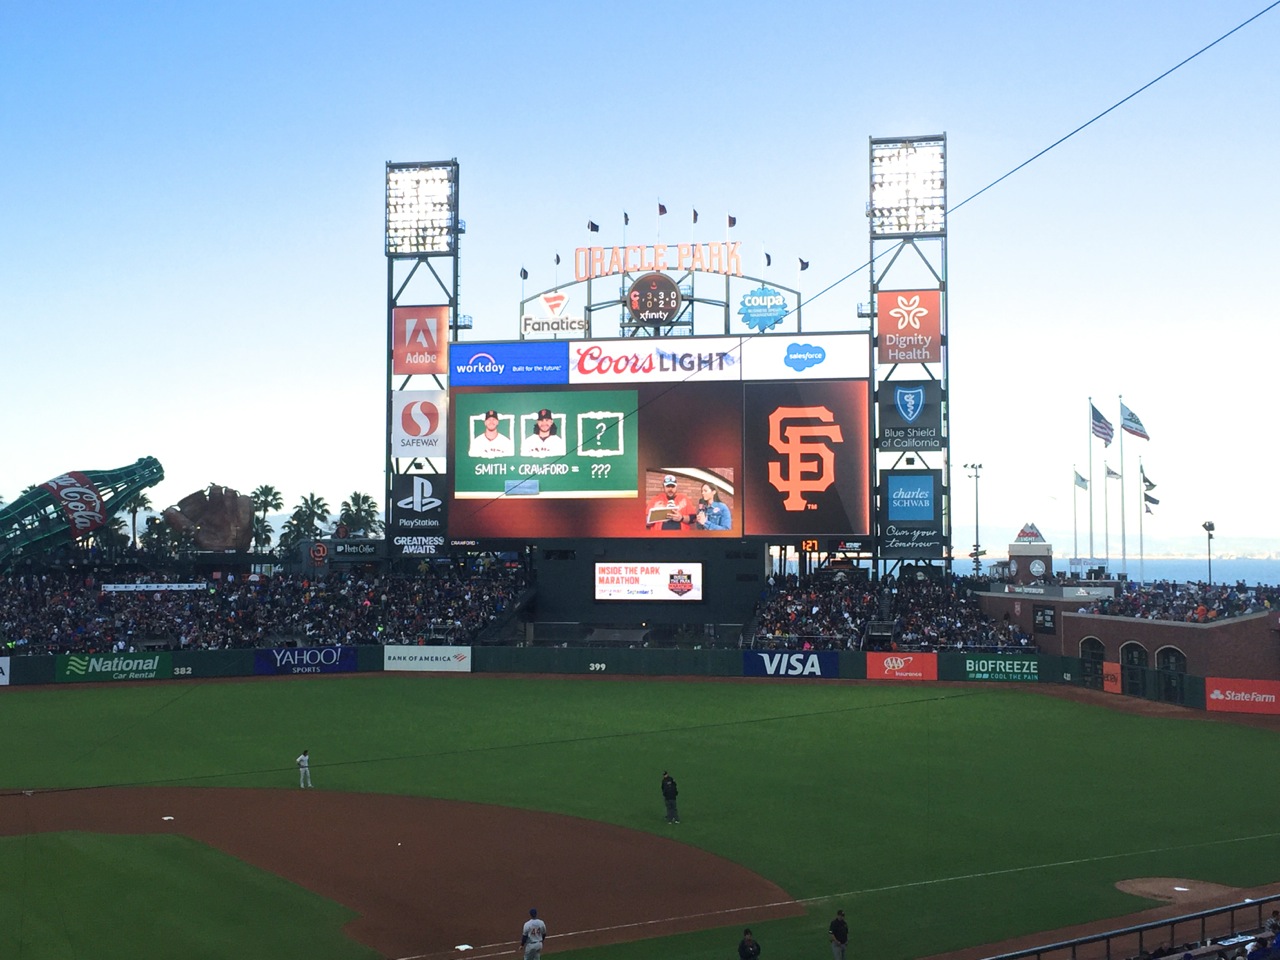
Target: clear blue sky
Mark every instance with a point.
(191, 220)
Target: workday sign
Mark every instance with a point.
(781, 663)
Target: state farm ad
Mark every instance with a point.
(1229, 695)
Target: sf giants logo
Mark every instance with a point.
(803, 435)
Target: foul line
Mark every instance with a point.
(506, 946)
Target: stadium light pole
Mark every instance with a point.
(1208, 529)
(977, 539)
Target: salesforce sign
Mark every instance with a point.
(291, 660)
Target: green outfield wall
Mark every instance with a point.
(152, 666)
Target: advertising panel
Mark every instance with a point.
(910, 326)
(85, 668)
(1232, 695)
(910, 415)
(648, 581)
(551, 316)
(763, 309)
(293, 660)
(504, 364)
(1111, 677)
(419, 340)
(902, 666)
(419, 423)
(650, 360)
(911, 514)
(4, 671)
(417, 506)
(1026, 669)
(833, 356)
(809, 452)
(427, 659)
(780, 663)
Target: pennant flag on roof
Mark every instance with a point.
(695, 214)
(804, 264)
(524, 274)
(1111, 474)
(1130, 423)
(1081, 482)
(662, 209)
(593, 227)
(1150, 499)
(733, 221)
(557, 259)
(768, 260)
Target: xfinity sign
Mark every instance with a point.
(765, 663)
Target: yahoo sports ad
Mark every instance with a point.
(293, 660)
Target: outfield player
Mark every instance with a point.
(531, 937)
(304, 769)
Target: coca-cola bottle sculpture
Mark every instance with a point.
(69, 507)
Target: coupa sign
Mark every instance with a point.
(305, 660)
(85, 668)
(765, 663)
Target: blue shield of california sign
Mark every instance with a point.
(909, 401)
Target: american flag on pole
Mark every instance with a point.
(1102, 426)
(1130, 423)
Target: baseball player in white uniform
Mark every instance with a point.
(535, 931)
(304, 770)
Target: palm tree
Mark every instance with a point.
(361, 514)
(133, 506)
(309, 514)
(262, 533)
(265, 498)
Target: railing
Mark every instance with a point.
(1200, 934)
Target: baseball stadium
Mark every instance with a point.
(667, 532)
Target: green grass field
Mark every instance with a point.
(936, 817)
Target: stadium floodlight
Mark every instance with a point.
(422, 209)
(908, 187)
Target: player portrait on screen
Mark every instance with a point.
(492, 442)
(546, 438)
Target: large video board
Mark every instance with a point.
(638, 437)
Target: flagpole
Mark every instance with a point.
(1075, 518)
(1091, 481)
(1124, 548)
(1106, 519)
(1142, 509)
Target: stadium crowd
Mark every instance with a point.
(52, 612)
(835, 611)
(1185, 602)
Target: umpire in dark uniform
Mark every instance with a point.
(669, 794)
(839, 931)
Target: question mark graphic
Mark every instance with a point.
(601, 427)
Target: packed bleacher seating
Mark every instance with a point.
(833, 611)
(59, 612)
(1185, 602)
